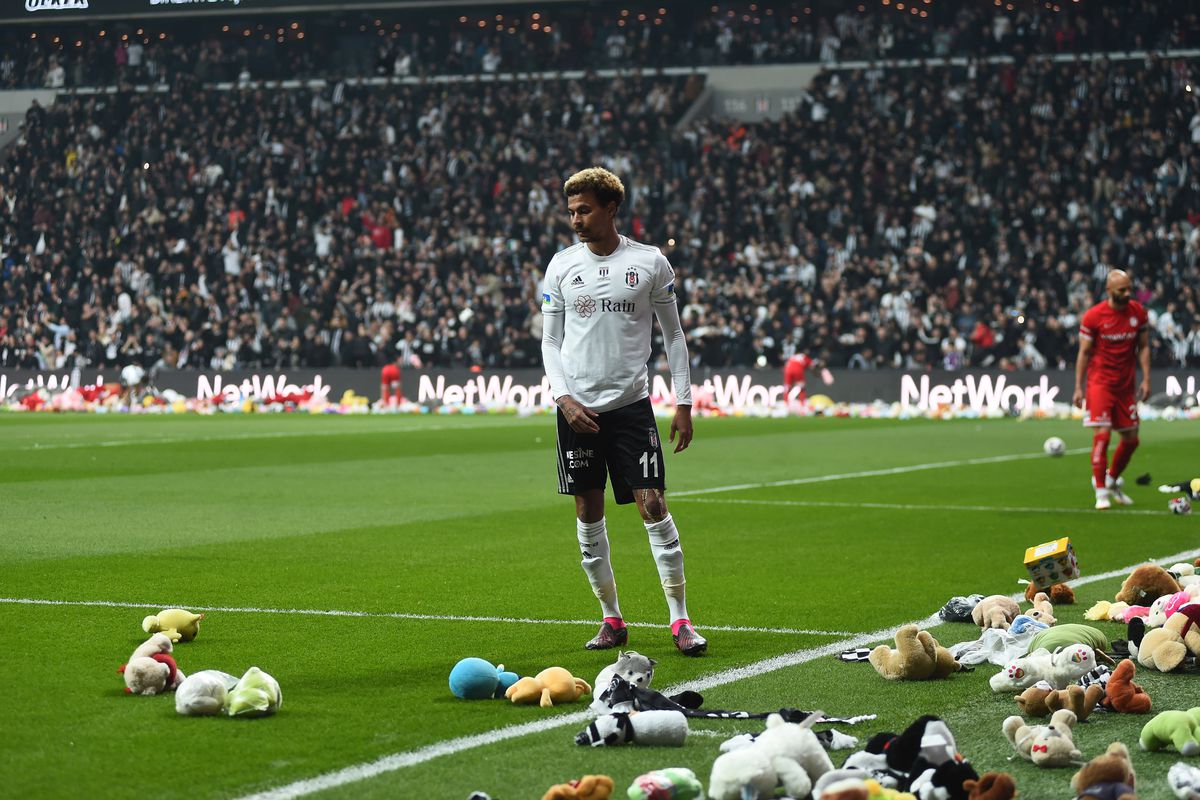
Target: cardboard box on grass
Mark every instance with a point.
(1051, 563)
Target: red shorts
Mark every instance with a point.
(1110, 409)
(390, 374)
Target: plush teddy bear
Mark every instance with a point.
(1122, 694)
(673, 783)
(178, 624)
(1165, 648)
(1060, 594)
(1040, 700)
(995, 611)
(1059, 669)
(1178, 728)
(151, 669)
(1146, 584)
(551, 685)
(1162, 608)
(1043, 609)
(653, 728)
(991, 786)
(589, 787)
(785, 754)
(1049, 745)
(917, 657)
(1106, 777)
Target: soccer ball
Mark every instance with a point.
(1180, 505)
(1054, 446)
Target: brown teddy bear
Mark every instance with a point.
(1106, 777)
(995, 611)
(1122, 694)
(1060, 594)
(991, 786)
(1146, 584)
(917, 657)
(1039, 702)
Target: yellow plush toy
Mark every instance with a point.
(551, 685)
(179, 625)
(589, 787)
(917, 657)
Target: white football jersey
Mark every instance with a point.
(608, 304)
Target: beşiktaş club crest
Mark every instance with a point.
(631, 277)
(604, 272)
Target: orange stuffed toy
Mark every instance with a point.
(1123, 695)
(589, 787)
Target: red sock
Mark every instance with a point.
(1121, 457)
(616, 623)
(1099, 457)
(679, 623)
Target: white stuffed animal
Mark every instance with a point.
(1059, 669)
(1051, 745)
(203, 693)
(631, 665)
(653, 728)
(151, 669)
(785, 754)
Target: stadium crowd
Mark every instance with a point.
(427, 41)
(924, 217)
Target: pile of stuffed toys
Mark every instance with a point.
(151, 669)
(1059, 676)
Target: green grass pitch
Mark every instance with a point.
(445, 538)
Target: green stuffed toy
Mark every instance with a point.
(1068, 634)
(257, 694)
(1179, 728)
(677, 783)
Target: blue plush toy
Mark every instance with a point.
(477, 679)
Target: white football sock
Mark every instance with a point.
(593, 545)
(668, 557)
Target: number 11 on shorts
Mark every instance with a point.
(649, 461)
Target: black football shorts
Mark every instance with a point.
(626, 448)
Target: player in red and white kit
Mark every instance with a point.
(1114, 340)
(390, 391)
(794, 371)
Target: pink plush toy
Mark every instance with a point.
(1136, 611)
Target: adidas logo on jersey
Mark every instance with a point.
(578, 281)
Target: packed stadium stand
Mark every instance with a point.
(906, 214)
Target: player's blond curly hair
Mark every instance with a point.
(606, 186)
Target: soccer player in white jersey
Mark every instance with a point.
(599, 300)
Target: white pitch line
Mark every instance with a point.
(916, 507)
(267, 435)
(873, 473)
(397, 761)
(316, 612)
